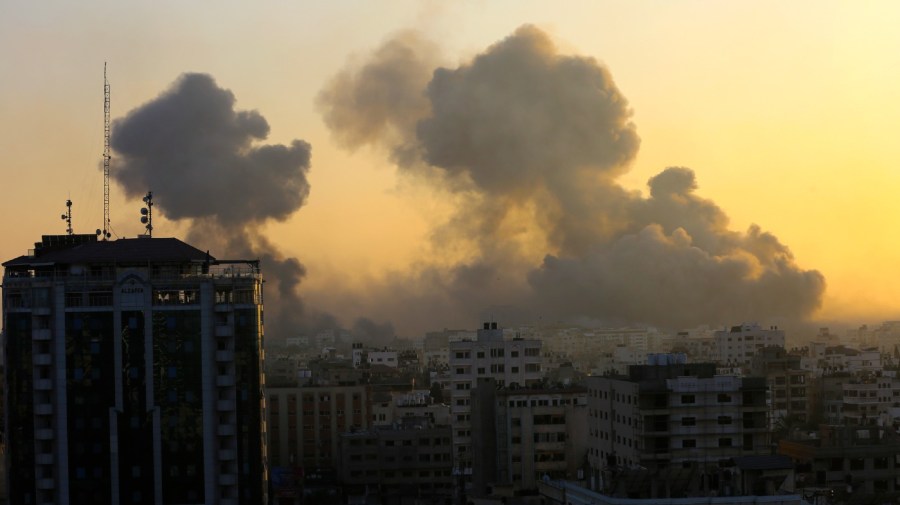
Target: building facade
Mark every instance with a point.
(523, 436)
(133, 374)
(410, 459)
(739, 344)
(305, 423)
(674, 416)
(511, 363)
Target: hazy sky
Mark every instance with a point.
(785, 112)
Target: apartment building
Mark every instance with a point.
(789, 385)
(411, 458)
(673, 416)
(739, 344)
(305, 423)
(522, 436)
(511, 363)
(134, 374)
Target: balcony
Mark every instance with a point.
(224, 380)
(43, 359)
(43, 434)
(226, 430)
(44, 459)
(44, 409)
(225, 405)
(41, 334)
(224, 331)
(224, 356)
(43, 384)
(227, 455)
(46, 483)
(227, 479)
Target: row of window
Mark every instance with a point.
(497, 352)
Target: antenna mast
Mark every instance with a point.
(106, 156)
(67, 217)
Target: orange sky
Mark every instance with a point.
(786, 112)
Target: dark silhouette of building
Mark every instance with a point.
(134, 374)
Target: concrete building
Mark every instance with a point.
(678, 417)
(788, 395)
(739, 344)
(305, 423)
(512, 363)
(521, 436)
(134, 374)
(852, 461)
(410, 461)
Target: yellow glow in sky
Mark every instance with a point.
(787, 112)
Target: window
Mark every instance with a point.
(723, 398)
(688, 421)
(688, 443)
(724, 420)
(688, 399)
(725, 442)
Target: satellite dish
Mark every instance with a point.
(144, 219)
(144, 211)
(98, 232)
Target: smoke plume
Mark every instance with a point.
(530, 143)
(200, 158)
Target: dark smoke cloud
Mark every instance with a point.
(531, 141)
(374, 333)
(382, 99)
(199, 157)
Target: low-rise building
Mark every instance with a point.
(412, 458)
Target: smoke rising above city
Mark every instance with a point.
(533, 141)
(528, 142)
(197, 153)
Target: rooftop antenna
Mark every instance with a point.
(147, 213)
(106, 158)
(67, 217)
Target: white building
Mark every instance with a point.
(739, 344)
(512, 363)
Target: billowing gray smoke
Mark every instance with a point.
(197, 154)
(523, 130)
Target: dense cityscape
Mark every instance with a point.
(454, 253)
(136, 372)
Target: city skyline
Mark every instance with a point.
(787, 130)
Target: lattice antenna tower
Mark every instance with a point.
(106, 156)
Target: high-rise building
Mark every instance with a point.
(133, 374)
(512, 363)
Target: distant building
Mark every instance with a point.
(675, 421)
(788, 395)
(305, 423)
(409, 459)
(512, 363)
(739, 344)
(522, 436)
(134, 374)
